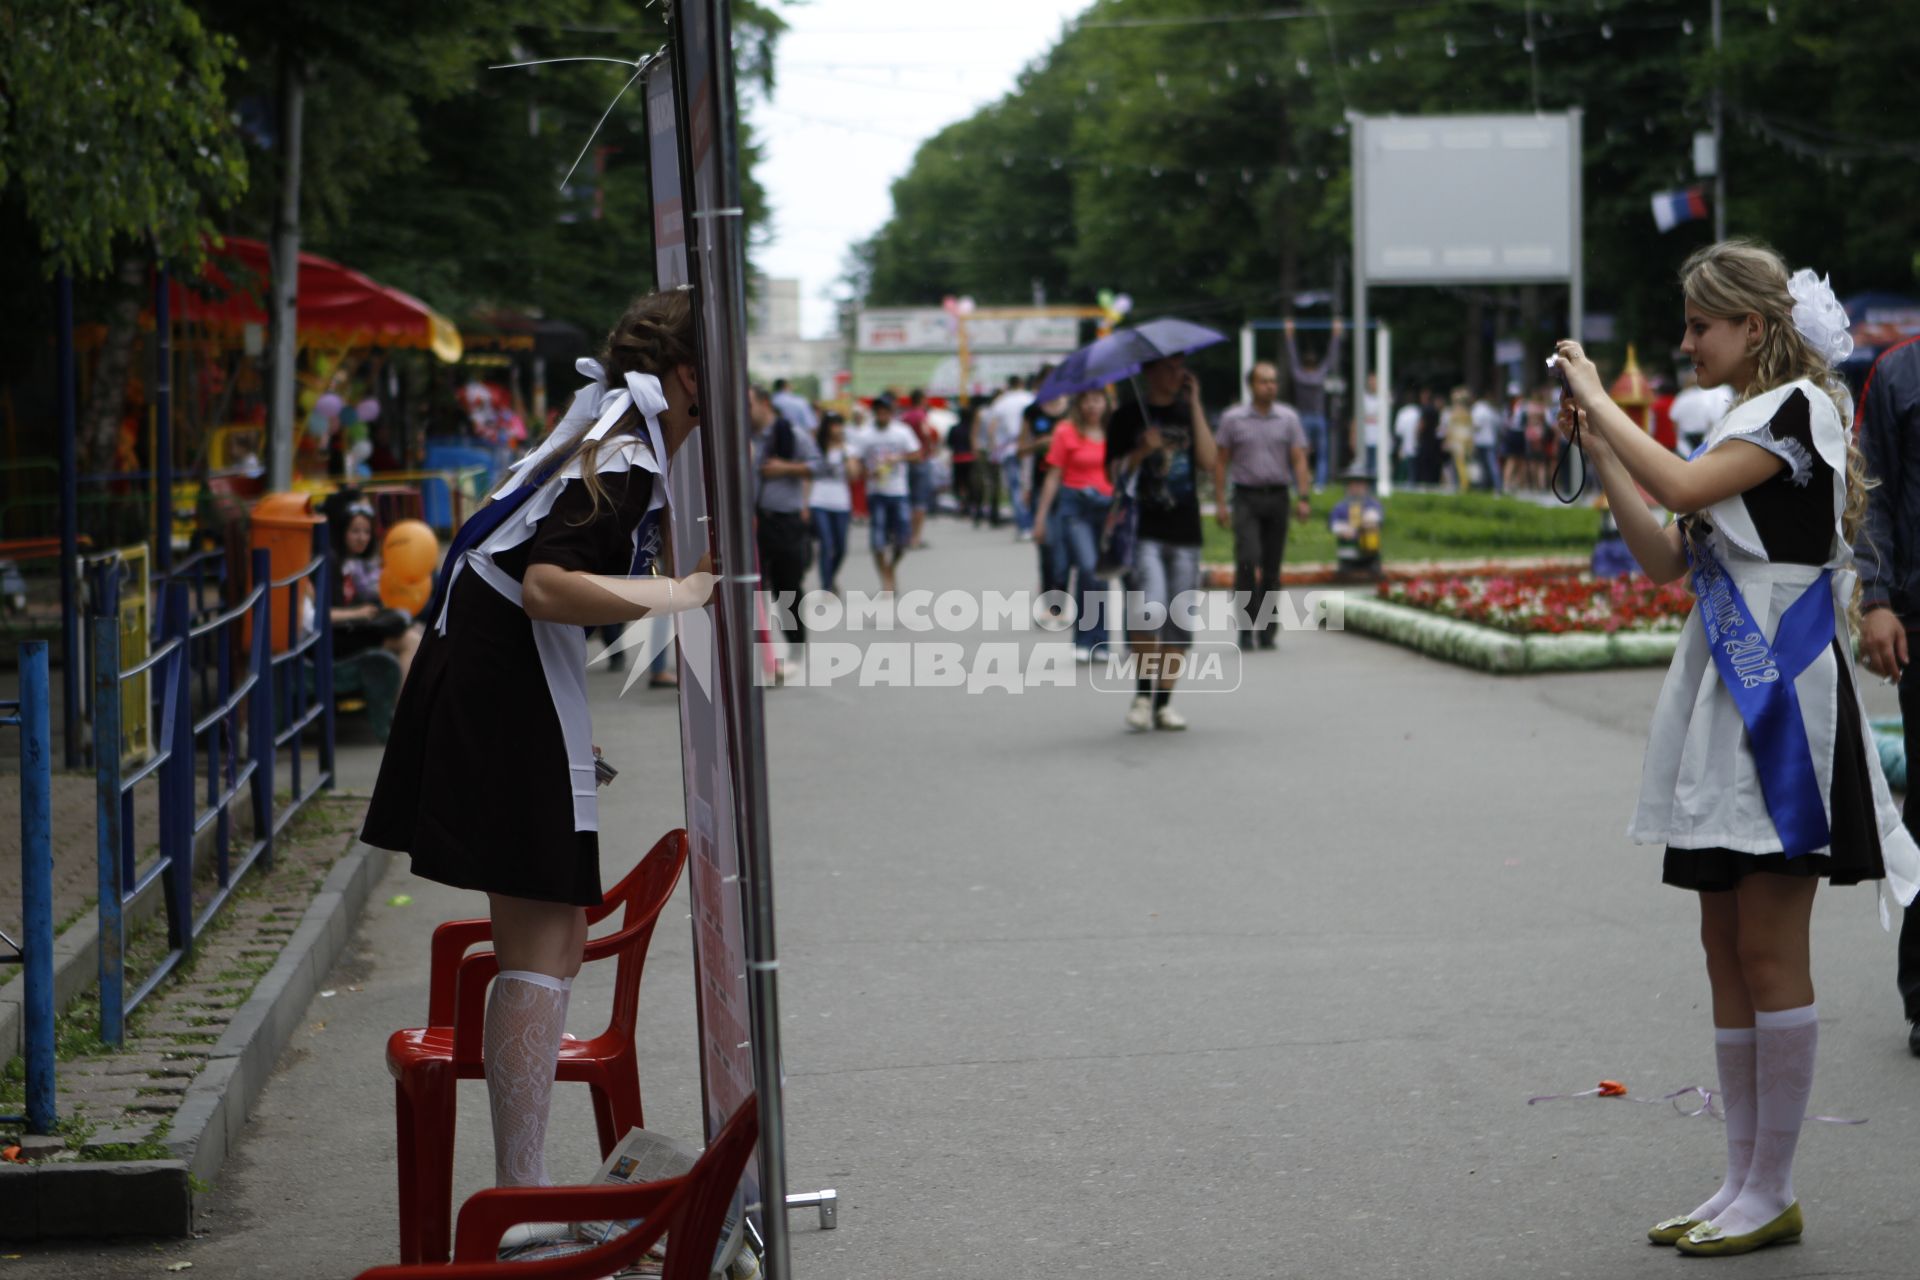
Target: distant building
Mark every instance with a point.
(775, 348)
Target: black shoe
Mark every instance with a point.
(1913, 1038)
(1246, 641)
(1269, 640)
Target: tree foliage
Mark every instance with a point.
(113, 125)
(1198, 157)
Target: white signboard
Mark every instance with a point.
(906, 329)
(933, 329)
(1467, 199)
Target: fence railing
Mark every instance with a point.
(34, 950)
(206, 753)
(302, 703)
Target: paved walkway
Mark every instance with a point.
(1263, 999)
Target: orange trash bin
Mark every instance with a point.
(283, 525)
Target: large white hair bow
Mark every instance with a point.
(593, 413)
(1819, 317)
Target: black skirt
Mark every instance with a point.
(1855, 840)
(476, 784)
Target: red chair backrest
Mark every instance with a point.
(711, 1185)
(643, 892)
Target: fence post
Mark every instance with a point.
(36, 880)
(294, 688)
(323, 651)
(177, 772)
(106, 760)
(223, 746)
(260, 706)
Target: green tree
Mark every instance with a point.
(114, 146)
(1199, 159)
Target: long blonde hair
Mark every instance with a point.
(1735, 278)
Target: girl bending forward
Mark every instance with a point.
(488, 778)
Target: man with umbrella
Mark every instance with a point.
(1161, 444)
(1157, 448)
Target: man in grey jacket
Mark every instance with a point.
(1889, 559)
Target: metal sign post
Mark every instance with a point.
(727, 796)
(1427, 207)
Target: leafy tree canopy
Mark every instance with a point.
(113, 124)
(1196, 154)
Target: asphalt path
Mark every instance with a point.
(1265, 998)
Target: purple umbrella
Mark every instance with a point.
(1121, 354)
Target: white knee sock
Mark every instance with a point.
(1784, 1044)
(526, 1013)
(1733, 1049)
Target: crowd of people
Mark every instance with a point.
(1473, 439)
(1760, 776)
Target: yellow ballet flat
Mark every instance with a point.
(1670, 1231)
(1708, 1241)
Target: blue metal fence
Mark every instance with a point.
(204, 761)
(35, 948)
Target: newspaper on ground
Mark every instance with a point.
(640, 1157)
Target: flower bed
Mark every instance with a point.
(1547, 601)
(1544, 619)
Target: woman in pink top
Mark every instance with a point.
(1077, 480)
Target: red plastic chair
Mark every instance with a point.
(427, 1062)
(692, 1207)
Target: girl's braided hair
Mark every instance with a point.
(656, 335)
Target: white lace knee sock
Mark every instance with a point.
(1784, 1045)
(1733, 1049)
(526, 1013)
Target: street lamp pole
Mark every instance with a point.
(1719, 138)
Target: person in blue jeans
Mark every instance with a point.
(1072, 507)
(1310, 398)
(831, 498)
(884, 452)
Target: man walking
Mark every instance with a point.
(1006, 416)
(1486, 439)
(1159, 447)
(1310, 397)
(793, 406)
(1261, 448)
(1888, 557)
(884, 454)
(785, 460)
(920, 466)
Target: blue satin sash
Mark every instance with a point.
(1760, 678)
(484, 522)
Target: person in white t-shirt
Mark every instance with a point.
(884, 453)
(1373, 414)
(1486, 439)
(1006, 415)
(1695, 410)
(1406, 435)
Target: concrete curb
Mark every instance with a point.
(1502, 653)
(99, 1199)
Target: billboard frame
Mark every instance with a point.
(1575, 279)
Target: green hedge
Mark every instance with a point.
(1439, 526)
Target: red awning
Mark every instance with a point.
(336, 304)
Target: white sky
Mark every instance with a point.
(859, 85)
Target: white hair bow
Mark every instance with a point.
(593, 413)
(1819, 317)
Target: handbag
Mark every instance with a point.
(1119, 534)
